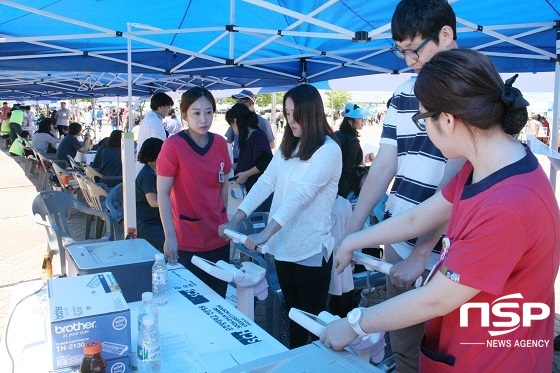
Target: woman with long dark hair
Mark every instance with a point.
(254, 149)
(44, 139)
(502, 247)
(304, 176)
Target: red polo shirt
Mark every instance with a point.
(197, 205)
(505, 241)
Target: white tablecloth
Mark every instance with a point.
(200, 331)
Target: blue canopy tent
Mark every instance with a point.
(172, 45)
(254, 43)
(48, 45)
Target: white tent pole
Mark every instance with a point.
(231, 34)
(323, 35)
(129, 76)
(516, 36)
(302, 17)
(206, 47)
(555, 112)
(93, 120)
(128, 36)
(506, 38)
(291, 27)
(273, 112)
(127, 149)
(100, 35)
(118, 109)
(347, 61)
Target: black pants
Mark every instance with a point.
(15, 130)
(340, 305)
(305, 288)
(61, 130)
(215, 284)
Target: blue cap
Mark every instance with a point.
(354, 111)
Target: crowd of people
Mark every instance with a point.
(470, 209)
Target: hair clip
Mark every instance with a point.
(512, 96)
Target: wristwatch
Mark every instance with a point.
(354, 318)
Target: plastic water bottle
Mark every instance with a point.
(147, 308)
(159, 280)
(148, 346)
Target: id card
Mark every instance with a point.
(445, 245)
(221, 176)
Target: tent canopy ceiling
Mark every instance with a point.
(80, 48)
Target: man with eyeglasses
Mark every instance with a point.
(247, 98)
(420, 28)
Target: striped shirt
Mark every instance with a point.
(420, 164)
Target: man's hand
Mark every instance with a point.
(404, 273)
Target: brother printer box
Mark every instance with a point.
(130, 261)
(120, 365)
(86, 308)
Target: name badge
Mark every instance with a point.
(221, 176)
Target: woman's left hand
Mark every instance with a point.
(229, 225)
(242, 178)
(254, 240)
(338, 334)
(343, 258)
(368, 158)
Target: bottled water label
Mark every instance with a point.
(159, 278)
(147, 353)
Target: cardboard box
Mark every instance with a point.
(130, 261)
(120, 365)
(85, 308)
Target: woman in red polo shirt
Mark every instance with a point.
(192, 188)
(489, 302)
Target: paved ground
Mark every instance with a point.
(24, 242)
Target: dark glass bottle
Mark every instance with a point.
(93, 361)
(47, 267)
(130, 234)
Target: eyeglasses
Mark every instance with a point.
(419, 118)
(412, 53)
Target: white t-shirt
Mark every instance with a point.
(341, 213)
(151, 126)
(61, 121)
(42, 140)
(304, 195)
